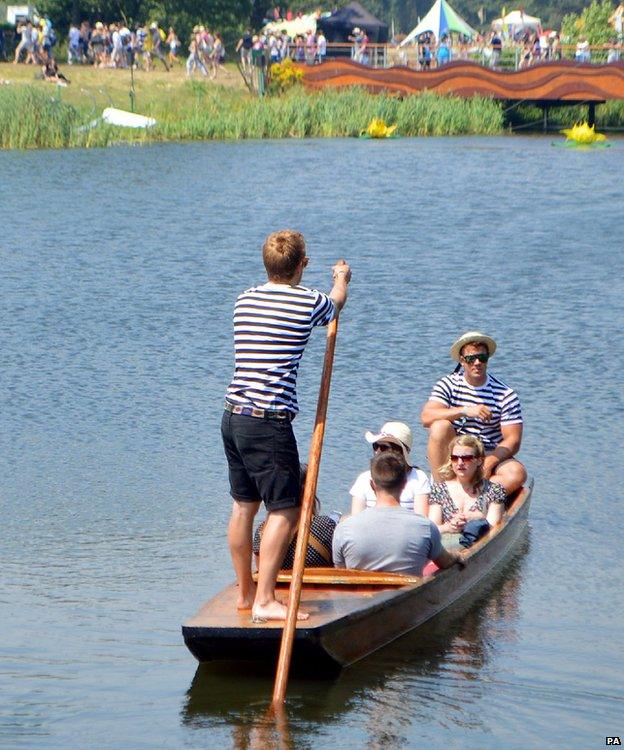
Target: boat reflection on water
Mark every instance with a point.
(440, 666)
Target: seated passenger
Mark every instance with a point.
(396, 437)
(387, 536)
(465, 494)
(50, 70)
(472, 401)
(319, 552)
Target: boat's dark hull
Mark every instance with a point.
(353, 623)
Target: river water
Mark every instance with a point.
(119, 272)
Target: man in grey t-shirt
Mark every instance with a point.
(387, 536)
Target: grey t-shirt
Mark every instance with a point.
(386, 538)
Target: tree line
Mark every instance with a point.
(231, 17)
(479, 13)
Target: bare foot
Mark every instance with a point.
(274, 611)
(245, 602)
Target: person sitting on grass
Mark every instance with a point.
(388, 537)
(51, 72)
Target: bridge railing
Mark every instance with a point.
(511, 58)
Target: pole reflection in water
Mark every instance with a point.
(270, 730)
(442, 667)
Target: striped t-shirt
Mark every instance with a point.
(272, 325)
(454, 391)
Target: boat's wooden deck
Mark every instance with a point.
(324, 603)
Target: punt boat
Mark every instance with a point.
(352, 612)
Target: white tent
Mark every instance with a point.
(517, 20)
(440, 20)
(293, 28)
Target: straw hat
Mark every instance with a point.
(472, 337)
(393, 432)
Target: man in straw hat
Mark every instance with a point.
(472, 401)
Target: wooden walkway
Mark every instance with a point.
(549, 84)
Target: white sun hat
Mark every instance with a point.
(472, 337)
(393, 432)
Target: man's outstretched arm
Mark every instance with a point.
(342, 277)
(448, 559)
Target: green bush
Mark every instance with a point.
(592, 23)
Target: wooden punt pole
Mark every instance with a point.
(307, 505)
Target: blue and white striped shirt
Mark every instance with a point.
(272, 325)
(454, 391)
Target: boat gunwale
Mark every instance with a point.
(400, 594)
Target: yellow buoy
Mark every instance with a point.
(583, 133)
(379, 129)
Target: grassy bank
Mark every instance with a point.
(35, 114)
(31, 118)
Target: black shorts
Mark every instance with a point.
(263, 460)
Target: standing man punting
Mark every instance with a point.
(272, 325)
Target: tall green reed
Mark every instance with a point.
(30, 118)
(35, 117)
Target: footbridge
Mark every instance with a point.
(548, 84)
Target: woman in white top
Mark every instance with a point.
(394, 436)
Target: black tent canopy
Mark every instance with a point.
(340, 24)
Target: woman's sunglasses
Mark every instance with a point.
(467, 459)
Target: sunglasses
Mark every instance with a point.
(469, 458)
(472, 358)
(381, 447)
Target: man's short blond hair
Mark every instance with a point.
(282, 252)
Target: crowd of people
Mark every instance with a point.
(524, 50)
(277, 46)
(37, 40)
(206, 52)
(115, 45)
(474, 422)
